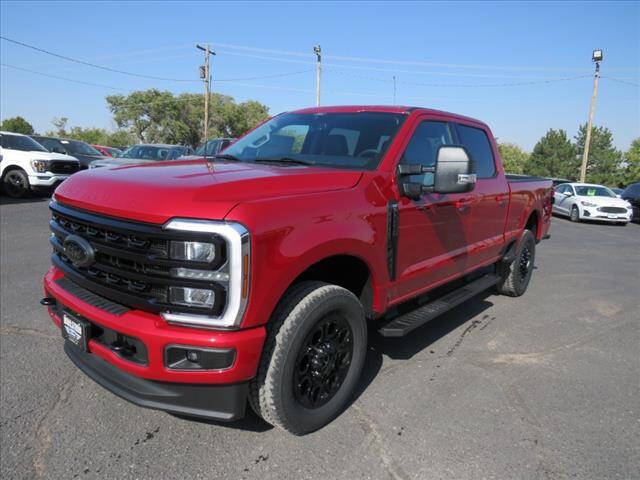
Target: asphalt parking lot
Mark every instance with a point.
(546, 386)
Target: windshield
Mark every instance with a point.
(342, 140)
(81, 148)
(594, 191)
(153, 152)
(212, 148)
(113, 151)
(22, 143)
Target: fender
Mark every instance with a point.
(288, 238)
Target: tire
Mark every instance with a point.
(574, 216)
(15, 183)
(515, 277)
(283, 390)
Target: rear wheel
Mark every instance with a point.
(575, 214)
(312, 358)
(16, 183)
(515, 277)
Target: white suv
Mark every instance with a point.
(26, 165)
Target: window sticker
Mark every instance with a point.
(591, 192)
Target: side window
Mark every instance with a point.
(569, 189)
(477, 142)
(561, 189)
(423, 148)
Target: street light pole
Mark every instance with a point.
(597, 58)
(318, 51)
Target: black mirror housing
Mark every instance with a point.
(454, 172)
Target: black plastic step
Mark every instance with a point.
(400, 326)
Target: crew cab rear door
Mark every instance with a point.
(432, 230)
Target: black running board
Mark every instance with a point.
(400, 326)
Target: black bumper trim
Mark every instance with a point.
(216, 402)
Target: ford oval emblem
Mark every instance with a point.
(79, 251)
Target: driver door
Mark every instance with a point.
(562, 200)
(432, 231)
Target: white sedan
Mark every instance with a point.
(582, 201)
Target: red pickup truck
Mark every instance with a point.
(194, 287)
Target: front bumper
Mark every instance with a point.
(217, 402)
(153, 384)
(46, 180)
(592, 213)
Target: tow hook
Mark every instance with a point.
(48, 301)
(123, 348)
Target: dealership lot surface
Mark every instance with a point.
(543, 386)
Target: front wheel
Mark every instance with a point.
(515, 277)
(312, 358)
(16, 183)
(575, 214)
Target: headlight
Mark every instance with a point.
(40, 166)
(193, 251)
(589, 204)
(192, 297)
(227, 256)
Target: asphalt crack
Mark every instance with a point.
(372, 428)
(13, 330)
(43, 430)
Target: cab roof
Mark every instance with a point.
(384, 109)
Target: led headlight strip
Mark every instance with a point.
(236, 267)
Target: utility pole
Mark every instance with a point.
(205, 75)
(394, 89)
(317, 50)
(597, 58)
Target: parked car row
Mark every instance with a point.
(583, 201)
(39, 162)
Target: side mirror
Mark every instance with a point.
(452, 173)
(568, 194)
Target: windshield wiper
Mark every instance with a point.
(224, 156)
(298, 161)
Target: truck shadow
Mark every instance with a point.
(33, 198)
(405, 348)
(379, 347)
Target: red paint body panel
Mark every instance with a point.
(296, 217)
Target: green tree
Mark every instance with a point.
(17, 125)
(554, 156)
(631, 172)
(604, 164)
(513, 157)
(157, 116)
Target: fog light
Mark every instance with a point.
(192, 356)
(192, 297)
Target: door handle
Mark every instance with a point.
(501, 199)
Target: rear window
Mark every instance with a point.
(477, 143)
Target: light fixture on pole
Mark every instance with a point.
(597, 56)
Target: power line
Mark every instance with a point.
(412, 62)
(64, 78)
(620, 80)
(275, 75)
(101, 67)
(478, 85)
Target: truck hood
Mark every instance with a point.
(38, 155)
(155, 192)
(603, 201)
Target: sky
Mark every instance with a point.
(520, 67)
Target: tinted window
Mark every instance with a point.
(632, 190)
(343, 140)
(51, 144)
(594, 191)
(423, 148)
(19, 142)
(561, 188)
(477, 143)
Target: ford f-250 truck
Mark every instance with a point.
(194, 287)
